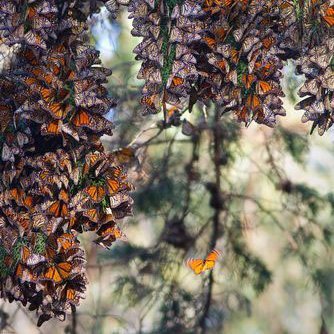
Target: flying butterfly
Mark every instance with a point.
(199, 266)
(108, 233)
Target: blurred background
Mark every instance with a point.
(262, 196)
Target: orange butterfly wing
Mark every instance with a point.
(177, 81)
(96, 193)
(248, 79)
(51, 128)
(211, 259)
(58, 209)
(66, 241)
(59, 272)
(263, 87)
(47, 94)
(253, 103)
(64, 196)
(113, 186)
(211, 42)
(329, 16)
(92, 214)
(25, 253)
(196, 265)
(81, 118)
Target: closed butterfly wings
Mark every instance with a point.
(199, 266)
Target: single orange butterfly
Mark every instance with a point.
(198, 266)
(96, 193)
(58, 272)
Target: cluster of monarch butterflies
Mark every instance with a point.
(232, 52)
(56, 180)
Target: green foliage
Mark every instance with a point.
(175, 312)
(4, 270)
(17, 250)
(135, 291)
(250, 268)
(309, 197)
(295, 144)
(40, 243)
(166, 191)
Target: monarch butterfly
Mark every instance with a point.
(64, 162)
(71, 296)
(81, 118)
(113, 185)
(47, 94)
(35, 259)
(220, 33)
(25, 274)
(263, 87)
(64, 196)
(177, 81)
(48, 78)
(91, 160)
(30, 56)
(235, 56)
(265, 69)
(116, 171)
(25, 253)
(109, 233)
(29, 81)
(119, 198)
(66, 241)
(47, 177)
(28, 201)
(16, 194)
(211, 42)
(253, 103)
(96, 193)
(248, 80)
(52, 128)
(34, 40)
(57, 111)
(58, 272)
(58, 209)
(198, 266)
(124, 155)
(268, 42)
(24, 222)
(152, 101)
(221, 64)
(38, 221)
(329, 16)
(6, 116)
(74, 289)
(92, 214)
(242, 114)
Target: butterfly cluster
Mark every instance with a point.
(56, 179)
(232, 52)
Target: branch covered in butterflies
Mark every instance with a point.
(56, 179)
(232, 52)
